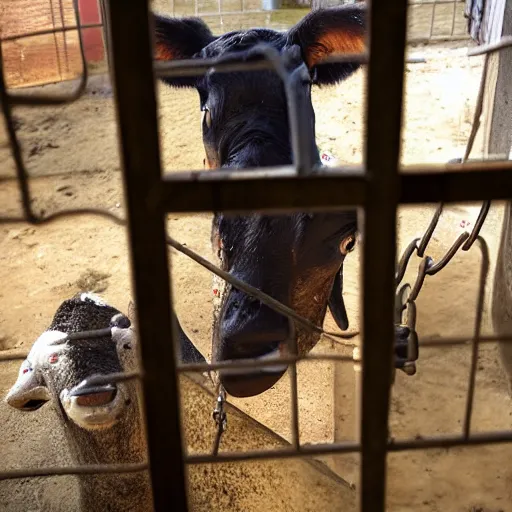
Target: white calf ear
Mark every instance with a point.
(29, 391)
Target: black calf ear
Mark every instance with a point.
(336, 302)
(179, 38)
(327, 32)
(188, 353)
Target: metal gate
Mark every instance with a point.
(432, 20)
(377, 189)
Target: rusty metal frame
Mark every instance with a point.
(378, 188)
(132, 76)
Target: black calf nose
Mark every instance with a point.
(251, 329)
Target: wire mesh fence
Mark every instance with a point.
(377, 194)
(44, 47)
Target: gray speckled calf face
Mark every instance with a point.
(61, 370)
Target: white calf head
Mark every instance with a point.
(62, 369)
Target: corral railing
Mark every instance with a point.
(377, 189)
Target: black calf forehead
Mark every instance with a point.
(242, 40)
(76, 315)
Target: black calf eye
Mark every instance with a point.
(348, 244)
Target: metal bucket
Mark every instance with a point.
(271, 5)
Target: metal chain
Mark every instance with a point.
(220, 418)
(407, 353)
(428, 267)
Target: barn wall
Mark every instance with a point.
(51, 57)
(55, 57)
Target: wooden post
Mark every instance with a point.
(498, 105)
(498, 142)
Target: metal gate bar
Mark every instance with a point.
(216, 190)
(382, 156)
(135, 97)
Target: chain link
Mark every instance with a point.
(220, 418)
(406, 296)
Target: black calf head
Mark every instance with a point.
(296, 258)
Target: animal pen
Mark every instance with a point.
(377, 188)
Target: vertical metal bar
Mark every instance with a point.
(55, 39)
(302, 133)
(21, 172)
(484, 271)
(294, 397)
(64, 34)
(433, 19)
(382, 153)
(294, 392)
(106, 32)
(454, 15)
(356, 355)
(135, 95)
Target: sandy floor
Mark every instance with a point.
(71, 152)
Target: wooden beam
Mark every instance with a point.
(498, 108)
(498, 141)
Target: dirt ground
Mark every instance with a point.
(71, 154)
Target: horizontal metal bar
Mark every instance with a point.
(249, 190)
(66, 213)
(278, 453)
(199, 67)
(363, 58)
(437, 39)
(50, 31)
(490, 181)
(505, 42)
(442, 441)
(463, 340)
(16, 356)
(87, 469)
(256, 190)
(253, 364)
(280, 191)
(450, 441)
(452, 341)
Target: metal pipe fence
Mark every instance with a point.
(377, 188)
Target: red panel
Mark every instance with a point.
(93, 44)
(89, 11)
(92, 37)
